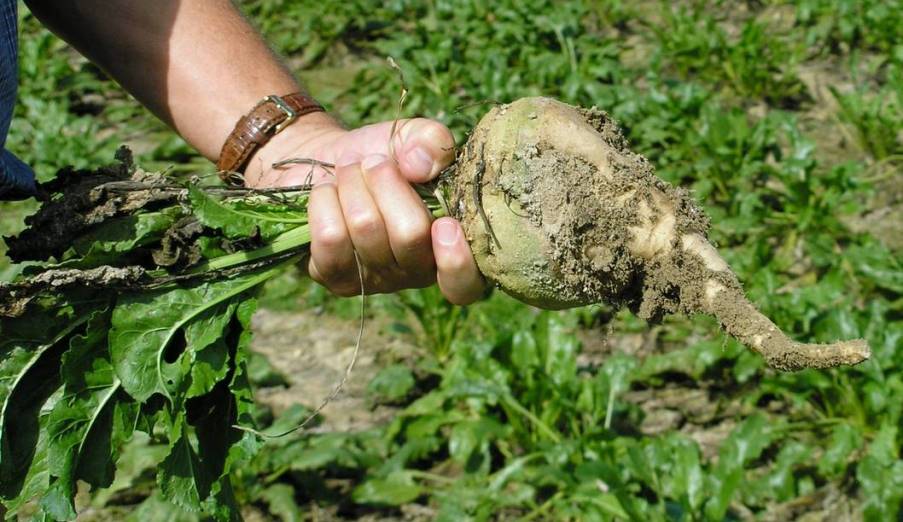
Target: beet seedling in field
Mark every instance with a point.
(138, 318)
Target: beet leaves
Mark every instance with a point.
(135, 316)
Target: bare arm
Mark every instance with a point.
(198, 65)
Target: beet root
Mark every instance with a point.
(560, 213)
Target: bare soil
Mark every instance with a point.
(312, 351)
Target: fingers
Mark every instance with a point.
(293, 175)
(363, 218)
(423, 148)
(420, 147)
(373, 211)
(459, 279)
(331, 251)
(406, 219)
(410, 241)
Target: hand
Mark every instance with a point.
(368, 206)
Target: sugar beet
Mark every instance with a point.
(560, 213)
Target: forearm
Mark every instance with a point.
(198, 65)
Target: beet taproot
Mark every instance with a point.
(560, 213)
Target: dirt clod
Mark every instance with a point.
(84, 199)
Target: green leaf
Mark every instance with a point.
(145, 324)
(608, 503)
(428, 404)
(469, 440)
(247, 445)
(205, 446)
(216, 436)
(157, 509)
(89, 422)
(281, 500)
(745, 443)
(243, 219)
(687, 477)
(210, 366)
(57, 501)
(692, 361)
(322, 452)
(395, 489)
(37, 478)
(845, 439)
(557, 346)
(213, 213)
(207, 351)
(589, 473)
(880, 474)
(524, 354)
(262, 373)
(392, 383)
(116, 238)
(182, 478)
(30, 352)
(288, 419)
(136, 459)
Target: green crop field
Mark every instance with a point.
(783, 119)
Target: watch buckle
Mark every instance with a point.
(290, 115)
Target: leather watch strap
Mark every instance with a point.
(253, 130)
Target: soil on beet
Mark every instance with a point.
(582, 217)
(561, 213)
(570, 211)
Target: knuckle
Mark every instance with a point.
(423, 280)
(461, 300)
(413, 237)
(382, 282)
(329, 277)
(321, 190)
(329, 235)
(433, 130)
(401, 279)
(363, 222)
(349, 163)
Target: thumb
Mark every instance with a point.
(456, 271)
(422, 148)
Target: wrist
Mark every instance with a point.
(307, 137)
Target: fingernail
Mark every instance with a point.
(446, 232)
(373, 160)
(421, 161)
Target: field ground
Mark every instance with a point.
(785, 119)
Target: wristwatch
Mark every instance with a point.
(268, 118)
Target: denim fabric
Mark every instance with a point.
(16, 178)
